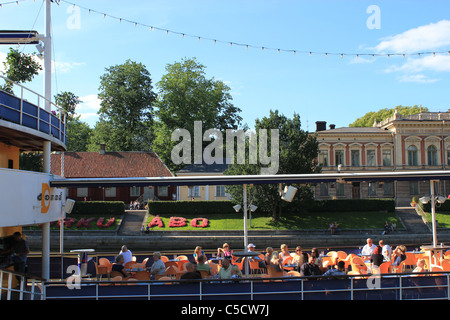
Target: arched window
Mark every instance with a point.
(432, 155)
(412, 156)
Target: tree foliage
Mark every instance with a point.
(127, 100)
(186, 95)
(19, 67)
(368, 119)
(297, 152)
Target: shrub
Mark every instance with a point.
(98, 208)
(191, 207)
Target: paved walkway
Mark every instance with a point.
(411, 220)
(132, 222)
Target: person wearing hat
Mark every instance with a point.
(251, 248)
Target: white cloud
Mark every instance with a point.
(65, 67)
(2, 59)
(88, 109)
(428, 37)
(426, 63)
(417, 78)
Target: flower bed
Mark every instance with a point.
(175, 222)
(204, 223)
(156, 222)
(83, 223)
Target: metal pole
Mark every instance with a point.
(433, 213)
(245, 229)
(47, 144)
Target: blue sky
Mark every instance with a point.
(317, 87)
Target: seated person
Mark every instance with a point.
(225, 251)
(225, 271)
(276, 262)
(202, 266)
(158, 267)
(191, 272)
(339, 271)
(310, 268)
(235, 272)
(420, 267)
(118, 266)
(399, 255)
(377, 257)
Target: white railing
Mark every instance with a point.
(32, 110)
(393, 287)
(29, 287)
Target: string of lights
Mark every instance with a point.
(11, 2)
(247, 46)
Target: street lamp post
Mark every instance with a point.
(433, 200)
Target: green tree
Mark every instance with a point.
(68, 101)
(127, 100)
(78, 135)
(19, 67)
(186, 95)
(297, 152)
(368, 119)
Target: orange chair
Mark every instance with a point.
(400, 268)
(164, 259)
(172, 272)
(205, 274)
(358, 265)
(129, 265)
(411, 260)
(287, 261)
(342, 255)
(170, 264)
(100, 270)
(332, 257)
(182, 258)
(385, 267)
(105, 262)
(445, 264)
(273, 273)
(348, 260)
(142, 275)
(254, 267)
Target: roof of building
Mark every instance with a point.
(364, 130)
(109, 165)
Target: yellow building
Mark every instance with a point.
(400, 143)
(204, 193)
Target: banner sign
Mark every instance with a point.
(26, 198)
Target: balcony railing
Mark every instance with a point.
(27, 108)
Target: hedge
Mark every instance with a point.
(204, 208)
(349, 205)
(107, 208)
(190, 207)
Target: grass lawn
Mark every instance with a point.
(443, 219)
(322, 220)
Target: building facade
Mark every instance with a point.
(400, 143)
(204, 193)
(113, 164)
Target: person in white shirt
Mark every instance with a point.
(367, 250)
(386, 250)
(127, 255)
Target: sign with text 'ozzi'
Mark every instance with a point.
(26, 198)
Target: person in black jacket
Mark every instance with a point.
(310, 268)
